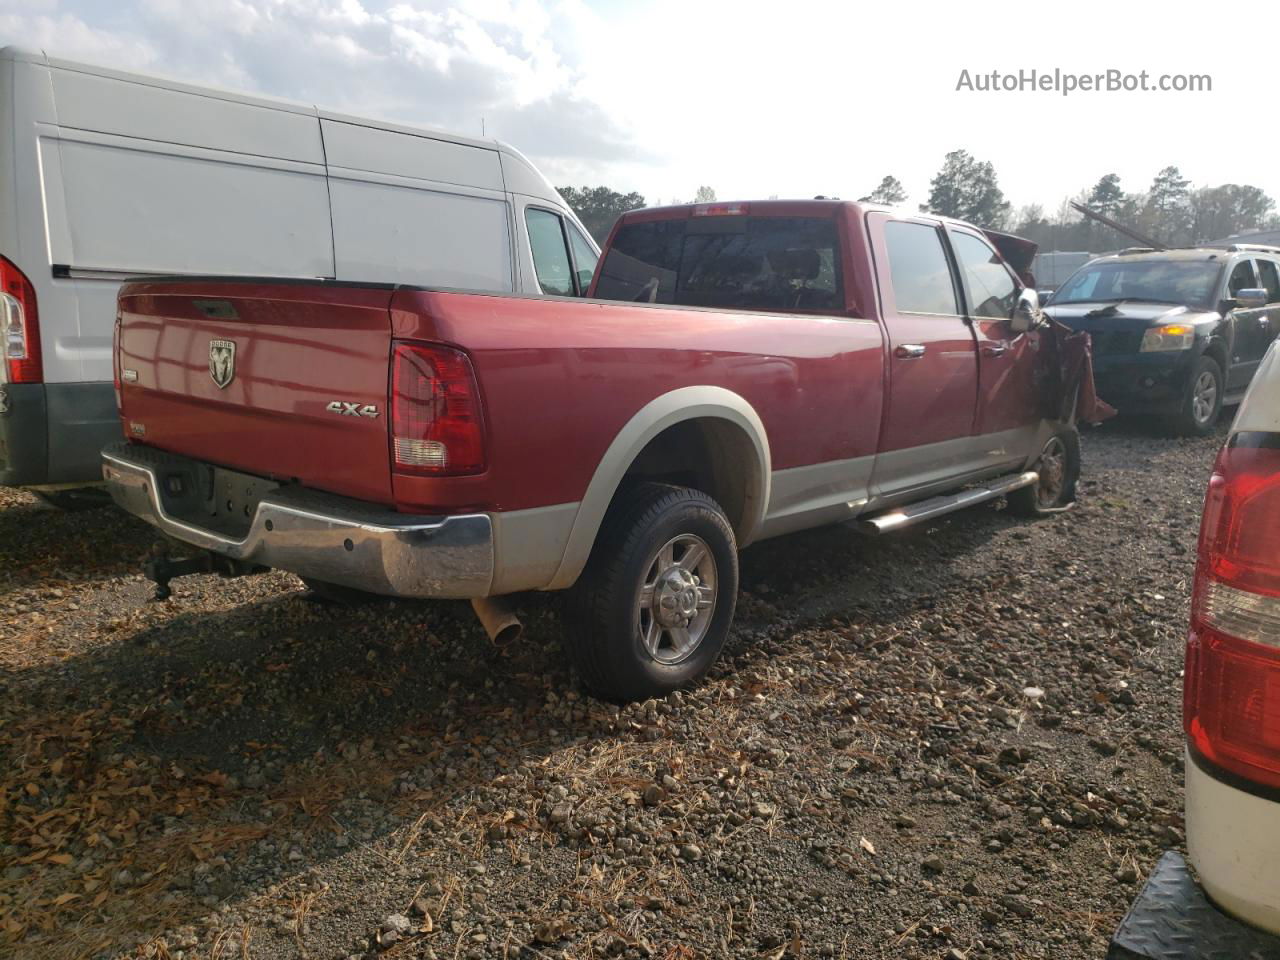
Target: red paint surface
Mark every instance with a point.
(560, 378)
(298, 348)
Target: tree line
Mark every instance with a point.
(1171, 210)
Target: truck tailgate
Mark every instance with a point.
(280, 379)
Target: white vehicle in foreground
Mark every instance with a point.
(1231, 714)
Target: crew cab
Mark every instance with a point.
(738, 371)
(1178, 333)
(1231, 714)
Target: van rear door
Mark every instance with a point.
(286, 380)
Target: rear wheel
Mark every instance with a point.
(652, 610)
(1059, 468)
(1202, 401)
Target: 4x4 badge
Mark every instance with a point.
(222, 361)
(346, 409)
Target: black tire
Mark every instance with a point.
(1193, 418)
(73, 501)
(606, 627)
(336, 594)
(1059, 466)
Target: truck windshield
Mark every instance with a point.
(735, 262)
(1187, 282)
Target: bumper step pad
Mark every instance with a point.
(1172, 919)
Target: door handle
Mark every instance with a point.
(995, 349)
(909, 351)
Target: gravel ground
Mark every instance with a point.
(961, 741)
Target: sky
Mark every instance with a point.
(791, 98)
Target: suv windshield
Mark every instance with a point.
(737, 262)
(1188, 282)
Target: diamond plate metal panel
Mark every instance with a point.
(1172, 919)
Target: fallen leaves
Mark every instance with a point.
(73, 792)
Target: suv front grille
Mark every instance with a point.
(1110, 342)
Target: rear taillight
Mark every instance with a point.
(19, 326)
(1231, 709)
(436, 423)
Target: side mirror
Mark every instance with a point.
(1251, 298)
(1026, 312)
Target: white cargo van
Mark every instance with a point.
(106, 175)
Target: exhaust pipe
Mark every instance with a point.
(499, 622)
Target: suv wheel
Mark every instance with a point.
(1059, 469)
(1203, 400)
(652, 610)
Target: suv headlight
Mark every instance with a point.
(1171, 336)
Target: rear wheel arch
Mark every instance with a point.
(728, 452)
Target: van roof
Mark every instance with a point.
(528, 184)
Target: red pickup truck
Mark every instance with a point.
(735, 372)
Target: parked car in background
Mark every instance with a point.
(1175, 332)
(772, 366)
(106, 175)
(1231, 713)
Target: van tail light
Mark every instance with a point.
(436, 424)
(1231, 700)
(19, 326)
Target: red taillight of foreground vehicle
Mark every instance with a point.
(19, 326)
(1231, 705)
(436, 424)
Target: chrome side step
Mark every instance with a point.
(901, 517)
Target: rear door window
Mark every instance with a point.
(989, 286)
(550, 252)
(734, 262)
(918, 269)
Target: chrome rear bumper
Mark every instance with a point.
(317, 535)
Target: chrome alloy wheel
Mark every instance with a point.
(1204, 396)
(1052, 468)
(677, 599)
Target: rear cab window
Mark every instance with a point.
(739, 262)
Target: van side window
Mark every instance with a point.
(991, 289)
(1270, 279)
(550, 253)
(918, 269)
(584, 259)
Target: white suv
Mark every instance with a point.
(1231, 713)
